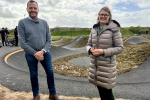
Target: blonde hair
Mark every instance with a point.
(108, 11)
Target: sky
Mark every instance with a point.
(77, 13)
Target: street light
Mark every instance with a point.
(14, 23)
(8, 23)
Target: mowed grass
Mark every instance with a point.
(71, 33)
(131, 57)
(55, 38)
(9, 35)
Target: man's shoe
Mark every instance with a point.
(37, 97)
(54, 97)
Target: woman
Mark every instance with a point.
(104, 43)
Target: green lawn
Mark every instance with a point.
(85, 32)
(71, 33)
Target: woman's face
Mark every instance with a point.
(103, 17)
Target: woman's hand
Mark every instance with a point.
(92, 49)
(98, 52)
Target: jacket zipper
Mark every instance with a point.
(96, 61)
(110, 59)
(96, 57)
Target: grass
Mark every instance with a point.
(82, 43)
(55, 38)
(9, 35)
(62, 66)
(147, 37)
(84, 32)
(66, 41)
(71, 33)
(131, 57)
(125, 32)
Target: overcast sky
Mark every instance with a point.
(77, 13)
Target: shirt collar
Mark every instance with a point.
(32, 19)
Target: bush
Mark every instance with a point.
(135, 30)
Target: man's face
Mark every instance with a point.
(32, 10)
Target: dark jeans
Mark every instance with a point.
(105, 94)
(3, 40)
(33, 68)
(16, 38)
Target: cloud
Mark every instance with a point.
(6, 13)
(124, 8)
(127, 19)
(142, 3)
(17, 1)
(112, 3)
(79, 13)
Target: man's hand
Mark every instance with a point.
(39, 55)
(98, 52)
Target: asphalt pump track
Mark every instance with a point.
(15, 75)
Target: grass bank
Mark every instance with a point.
(55, 38)
(66, 41)
(71, 33)
(85, 32)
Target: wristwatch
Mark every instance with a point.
(44, 50)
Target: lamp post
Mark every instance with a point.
(14, 23)
(8, 23)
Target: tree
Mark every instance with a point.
(135, 29)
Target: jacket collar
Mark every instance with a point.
(113, 25)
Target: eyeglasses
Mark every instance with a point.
(105, 15)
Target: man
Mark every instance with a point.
(139, 32)
(3, 34)
(35, 39)
(7, 32)
(6, 36)
(16, 36)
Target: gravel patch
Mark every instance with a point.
(81, 61)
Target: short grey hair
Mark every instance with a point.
(31, 1)
(108, 11)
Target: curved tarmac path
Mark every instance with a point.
(15, 75)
